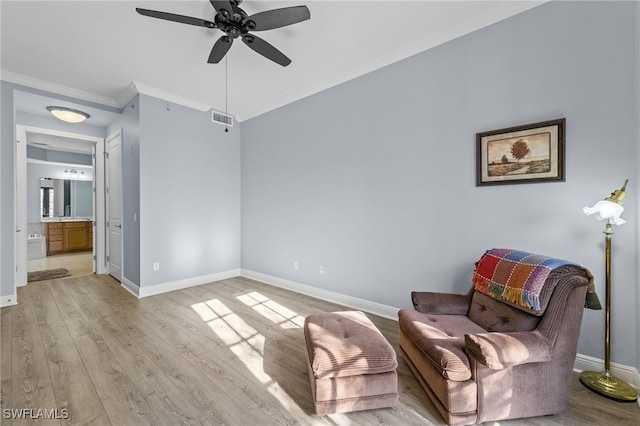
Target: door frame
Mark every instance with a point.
(20, 243)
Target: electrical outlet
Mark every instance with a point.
(321, 270)
(156, 266)
(296, 265)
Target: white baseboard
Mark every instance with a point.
(621, 371)
(152, 290)
(330, 296)
(8, 300)
(130, 286)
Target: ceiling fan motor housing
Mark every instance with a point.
(234, 24)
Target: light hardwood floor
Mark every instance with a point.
(230, 352)
(80, 263)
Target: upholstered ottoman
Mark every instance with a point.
(352, 367)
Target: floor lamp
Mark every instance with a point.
(604, 383)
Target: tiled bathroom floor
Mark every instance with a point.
(77, 263)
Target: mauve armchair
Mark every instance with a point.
(488, 355)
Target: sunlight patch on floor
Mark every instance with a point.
(340, 419)
(246, 343)
(271, 310)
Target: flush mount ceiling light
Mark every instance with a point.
(67, 114)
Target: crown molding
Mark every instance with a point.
(140, 88)
(127, 95)
(57, 89)
(404, 52)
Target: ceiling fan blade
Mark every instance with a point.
(176, 18)
(266, 49)
(220, 49)
(218, 5)
(277, 18)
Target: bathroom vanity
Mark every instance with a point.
(64, 236)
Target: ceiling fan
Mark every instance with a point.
(235, 23)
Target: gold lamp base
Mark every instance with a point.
(609, 386)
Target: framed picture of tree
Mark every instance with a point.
(523, 154)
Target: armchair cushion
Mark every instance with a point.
(440, 303)
(441, 339)
(493, 315)
(503, 350)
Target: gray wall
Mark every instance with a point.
(7, 193)
(185, 183)
(58, 156)
(36, 153)
(8, 120)
(375, 179)
(637, 192)
(189, 193)
(130, 127)
(37, 171)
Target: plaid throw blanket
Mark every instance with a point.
(515, 276)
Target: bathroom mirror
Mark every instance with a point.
(66, 198)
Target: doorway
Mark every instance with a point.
(75, 261)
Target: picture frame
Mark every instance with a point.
(529, 153)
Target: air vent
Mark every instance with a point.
(39, 144)
(222, 118)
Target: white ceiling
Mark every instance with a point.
(103, 51)
(31, 103)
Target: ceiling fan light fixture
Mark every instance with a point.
(68, 115)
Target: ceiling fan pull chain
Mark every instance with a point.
(226, 95)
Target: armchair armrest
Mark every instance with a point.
(440, 303)
(502, 350)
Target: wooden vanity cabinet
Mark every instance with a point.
(64, 237)
(53, 237)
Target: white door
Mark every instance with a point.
(114, 205)
(20, 242)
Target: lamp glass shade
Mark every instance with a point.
(606, 210)
(67, 114)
